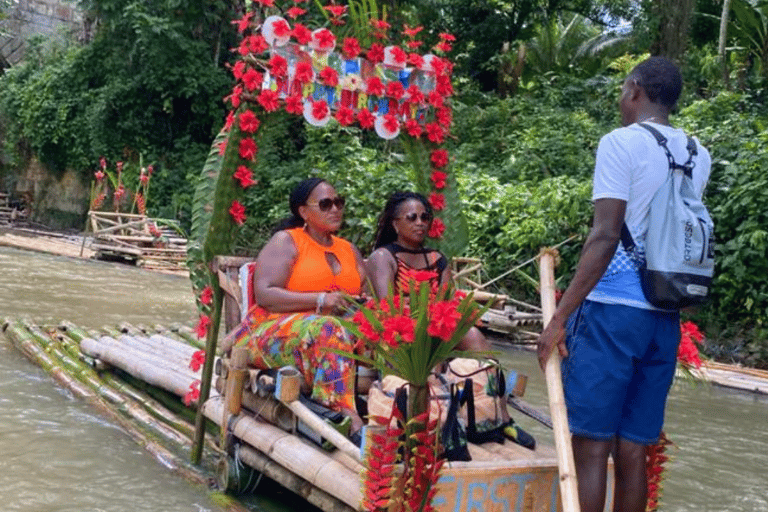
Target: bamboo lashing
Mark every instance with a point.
(569, 491)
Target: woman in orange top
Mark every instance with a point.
(302, 277)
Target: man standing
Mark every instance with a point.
(619, 351)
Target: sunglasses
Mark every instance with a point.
(326, 204)
(425, 217)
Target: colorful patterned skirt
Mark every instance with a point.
(302, 340)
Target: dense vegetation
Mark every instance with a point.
(536, 90)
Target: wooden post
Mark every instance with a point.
(238, 370)
(569, 492)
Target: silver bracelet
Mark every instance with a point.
(320, 302)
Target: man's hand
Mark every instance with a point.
(552, 336)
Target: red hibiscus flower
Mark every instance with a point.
(202, 326)
(444, 117)
(395, 89)
(197, 361)
(415, 60)
(278, 66)
(234, 98)
(243, 23)
(351, 48)
(269, 100)
(303, 73)
(437, 200)
(301, 33)
(376, 53)
(398, 329)
(294, 104)
(237, 211)
(319, 109)
(435, 133)
(245, 176)
(439, 158)
(249, 123)
(414, 94)
(345, 116)
(437, 229)
(281, 28)
(374, 87)
(365, 118)
(193, 394)
(252, 79)
(247, 148)
(411, 32)
(399, 55)
(413, 128)
(443, 318)
(412, 45)
(438, 179)
(324, 39)
(238, 69)
(206, 296)
(391, 123)
(329, 76)
(444, 85)
(435, 99)
(295, 12)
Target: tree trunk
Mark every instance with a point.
(722, 40)
(674, 22)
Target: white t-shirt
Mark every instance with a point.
(631, 166)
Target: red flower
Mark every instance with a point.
(303, 73)
(206, 296)
(324, 39)
(374, 87)
(415, 60)
(247, 148)
(294, 104)
(413, 128)
(391, 123)
(443, 319)
(269, 100)
(447, 37)
(223, 146)
(229, 121)
(376, 53)
(143, 178)
(278, 66)
(398, 329)
(365, 118)
(439, 158)
(443, 47)
(380, 25)
(351, 48)
(336, 10)
(234, 98)
(202, 326)
(295, 12)
(198, 358)
(252, 79)
(266, 3)
(444, 116)
(193, 394)
(237, 211)
(395, 89)
(249, 123)
(438, 178)
(435, 133)
(245, 176)
(103, 163)
(412, 45)
(399, 55)
(345, 116)
(99, 175)
(243, 23)
(411, 32)
(437, 229)
(238, 69)
(435, 99)
(319, 109)
(437, 200)
(366, 329)
(252, 44)
(444, 86)
(281, 28)
(329, 76)
(301, 33)
(414, 94)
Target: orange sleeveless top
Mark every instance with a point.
(311, 271)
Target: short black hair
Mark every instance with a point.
(385, 231)
(660, 79)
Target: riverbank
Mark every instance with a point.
(71, 245)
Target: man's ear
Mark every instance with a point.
(635, 90)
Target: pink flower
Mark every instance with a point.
(247, 148)
(99, 175)
(245, 176)
(237, 211)
(103, 163)
(249, 123)
(437, 229)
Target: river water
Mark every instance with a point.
(58, 455)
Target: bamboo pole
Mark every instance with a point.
(569, 491)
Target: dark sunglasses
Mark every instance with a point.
(326, 204)
(425, 217)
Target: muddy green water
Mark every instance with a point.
(58, 455)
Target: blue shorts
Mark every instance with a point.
(620, 365)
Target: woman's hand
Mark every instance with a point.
(334, 303)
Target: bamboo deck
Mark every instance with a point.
(137, 374)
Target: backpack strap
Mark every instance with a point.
(693, 150)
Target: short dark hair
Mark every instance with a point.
(385, 231)
(660, 79)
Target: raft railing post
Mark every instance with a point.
(207, 375)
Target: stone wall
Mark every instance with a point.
(57, 202)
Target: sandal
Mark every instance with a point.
(516, 434)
